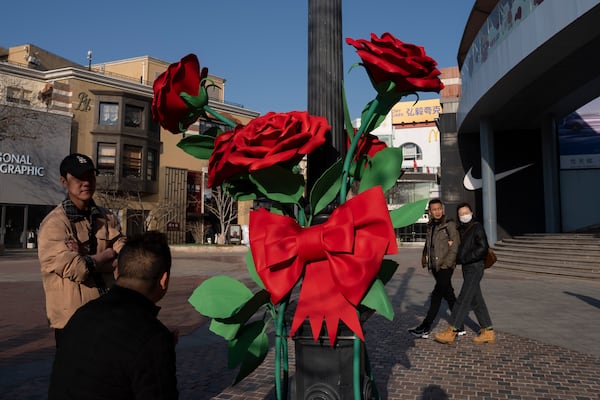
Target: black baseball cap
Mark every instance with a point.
(77, 165)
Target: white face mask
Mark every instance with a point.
(465, 219)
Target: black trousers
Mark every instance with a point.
(442, 290)
(57, 335)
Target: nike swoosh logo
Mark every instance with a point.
(471, 183)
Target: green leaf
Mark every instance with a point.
(220, 297)
(249, 348)
(378, 300)
(386, 102)
(241, 188)
(195, 102)
(408, 214)
(213, 131)
(347, 118)
(279, 184)
(387, 270)
(241, 344)
(226, 331)
(260, 298)
(252, 270)
(384, 169)
(199, 146)
(326, 188)
(277, 208)
(375, 120)
(244, 196)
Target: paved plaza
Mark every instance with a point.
(548, 333)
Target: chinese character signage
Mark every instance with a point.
(407, 112)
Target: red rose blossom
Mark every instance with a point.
(368, 144)
(168, 108)
(389, 59)
(274, 138)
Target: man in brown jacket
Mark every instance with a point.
(78, 243)
(439, 256)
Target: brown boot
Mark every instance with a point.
(485, 336)
(446, 337)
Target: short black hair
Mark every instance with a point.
(435, 201)
(463, 204)
(145, 256)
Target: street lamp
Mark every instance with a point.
(89, 57)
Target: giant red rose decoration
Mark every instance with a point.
(388, 59)
(339, 263)
(274, 138)
(168, 108)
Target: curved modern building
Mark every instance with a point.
(526, 67)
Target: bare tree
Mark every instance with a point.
(159, 216)
(20, 106)
(196, 228)
(224, 207)
(108, 196)
(146, 216)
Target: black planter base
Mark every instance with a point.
(324, 372)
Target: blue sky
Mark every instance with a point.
(260, 46)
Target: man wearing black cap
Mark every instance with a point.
(78, 243)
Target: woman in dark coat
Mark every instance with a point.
(471, 254)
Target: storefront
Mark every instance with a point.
(29, 175)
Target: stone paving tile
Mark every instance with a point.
(407, 368)
(515, 367)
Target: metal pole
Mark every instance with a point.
(325, 76)
(550, 169)
(486, 137)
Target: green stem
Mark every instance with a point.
(356, 368)
(285, 358)
(346, 168)
(301, 216)
(347, 120)
(220, 117)
(278, 346)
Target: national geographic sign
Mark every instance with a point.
(30, 160)
(19, 164)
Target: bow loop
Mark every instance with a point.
(339, 232)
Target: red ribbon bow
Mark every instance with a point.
(338, 260)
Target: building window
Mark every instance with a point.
(151, 165)
(107, 156)
(109, 114)
(133, 116)
(132, 161)
(411, 151)
(206, 125)
(18, 95)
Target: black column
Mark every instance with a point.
(325, 75)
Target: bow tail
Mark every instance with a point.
(320, 298)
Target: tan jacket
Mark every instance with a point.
(65, 277)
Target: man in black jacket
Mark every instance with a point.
(114, 347)
(439, 257)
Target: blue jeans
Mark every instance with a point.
(470, 297)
